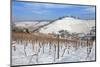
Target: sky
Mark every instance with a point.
(32, 11)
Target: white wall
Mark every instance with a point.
(5, 33)
(89, 2)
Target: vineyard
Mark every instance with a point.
(39, 48)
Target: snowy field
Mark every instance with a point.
(47, 53)
(26, 53)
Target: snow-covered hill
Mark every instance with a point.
(29, 24)
(70, 24)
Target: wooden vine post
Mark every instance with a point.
(58, 47)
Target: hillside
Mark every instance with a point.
(70, 24)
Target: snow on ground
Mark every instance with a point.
(70, 24)
(45, 54)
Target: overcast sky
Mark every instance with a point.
(45, 11)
